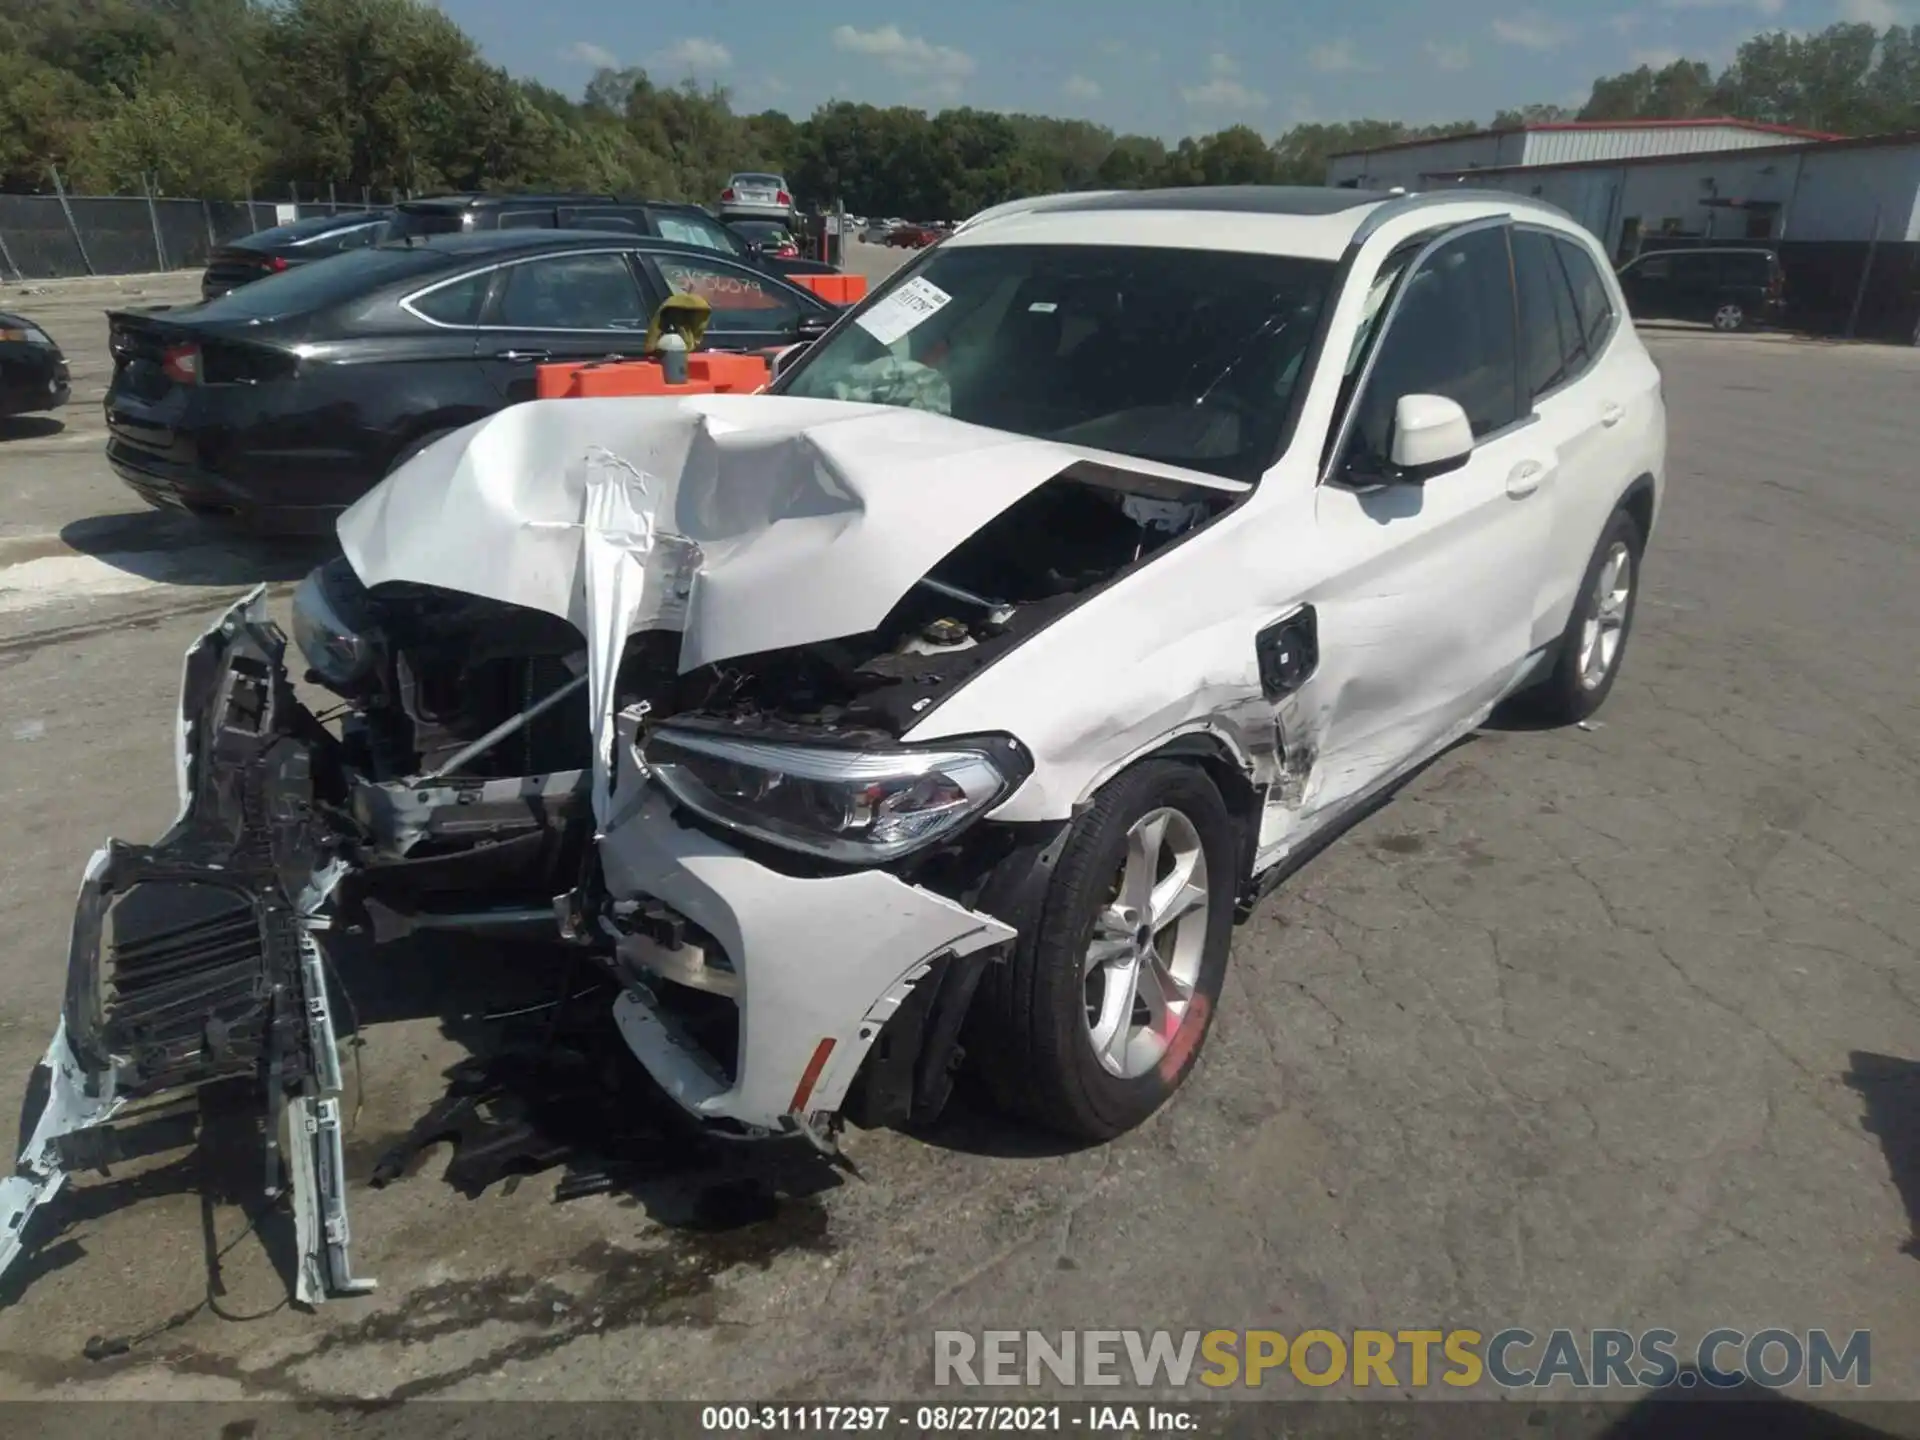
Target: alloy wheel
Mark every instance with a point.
(1729, 317)
(1605, 629)
(1148, 942)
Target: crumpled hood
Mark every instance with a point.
(759, 521)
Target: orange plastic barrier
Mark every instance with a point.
(834, 289)
(708, 373)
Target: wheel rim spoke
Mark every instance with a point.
(1147, 944)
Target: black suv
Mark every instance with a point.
(661, 219)
(1730, 288)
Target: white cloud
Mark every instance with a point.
(585, 52)
(1626, 22)
(1079, 87)
(1448, 57)
(1880, 13)
(1223, 92)
(905, 54)
(1654, 59)
(694, 55)
(1337, 56)
(1531, 30)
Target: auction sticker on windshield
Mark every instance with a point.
(910, 305)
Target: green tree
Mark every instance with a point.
(188, 145)
(1680, 90)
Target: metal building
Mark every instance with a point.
(1410, 163)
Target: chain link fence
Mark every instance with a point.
(47, 237)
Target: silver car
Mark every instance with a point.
(754, 196)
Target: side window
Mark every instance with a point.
(1547, 329)
(1590, 296)
(570, 292)
(526, 220)
(1697, 271)
(741, 300)
(1453, 335)
(1654, 267)
(455, 303)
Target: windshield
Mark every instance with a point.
(1187, 357)
(763, 232)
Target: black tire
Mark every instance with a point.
(1037, 1055)
(414, 446)
(1564, 697)
(1730, 316)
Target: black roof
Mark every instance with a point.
(1234, 199)
(470, 201)
(481, 243)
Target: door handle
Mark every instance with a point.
(1611, 414)
(518, 355)
(1525, 478)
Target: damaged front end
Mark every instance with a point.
(657, 707)
(199, 958)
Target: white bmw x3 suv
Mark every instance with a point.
(951, 699)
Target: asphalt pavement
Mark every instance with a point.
(1616, 1026)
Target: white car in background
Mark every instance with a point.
(753, 195)
(956, 696)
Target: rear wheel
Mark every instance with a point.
(1102, 1012)
(1729, 317)
(1595, 640)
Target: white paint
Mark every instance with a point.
(774, 492)
(902, 310)
(816, 955)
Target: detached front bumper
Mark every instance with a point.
(198, 959)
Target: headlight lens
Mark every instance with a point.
(850, 805)
(337, 652)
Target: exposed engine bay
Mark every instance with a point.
(441, 669)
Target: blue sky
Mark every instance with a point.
(1158, 67)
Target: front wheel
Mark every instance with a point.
(1102, 1011)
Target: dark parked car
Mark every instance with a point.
(33, 372)
(1729, 288)
(283, 402)
(268, 252)
(767, 238)
(914, 237)
(664, 219)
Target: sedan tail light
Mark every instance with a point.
(181, 364)
(783, 198)
(275, 263)
(727, 194)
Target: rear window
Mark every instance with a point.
(1748, 269)
(772, 181)
(325, 282)
(305, 232)
(426, 222)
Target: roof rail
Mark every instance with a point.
(1422, 199)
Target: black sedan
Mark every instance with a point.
(268, 252)
(33, 372)
(278, 405)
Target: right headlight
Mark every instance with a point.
(338, 650)
(859, 806)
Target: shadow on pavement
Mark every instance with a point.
(30, 427)
(176, 549)
(1890, 1090)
